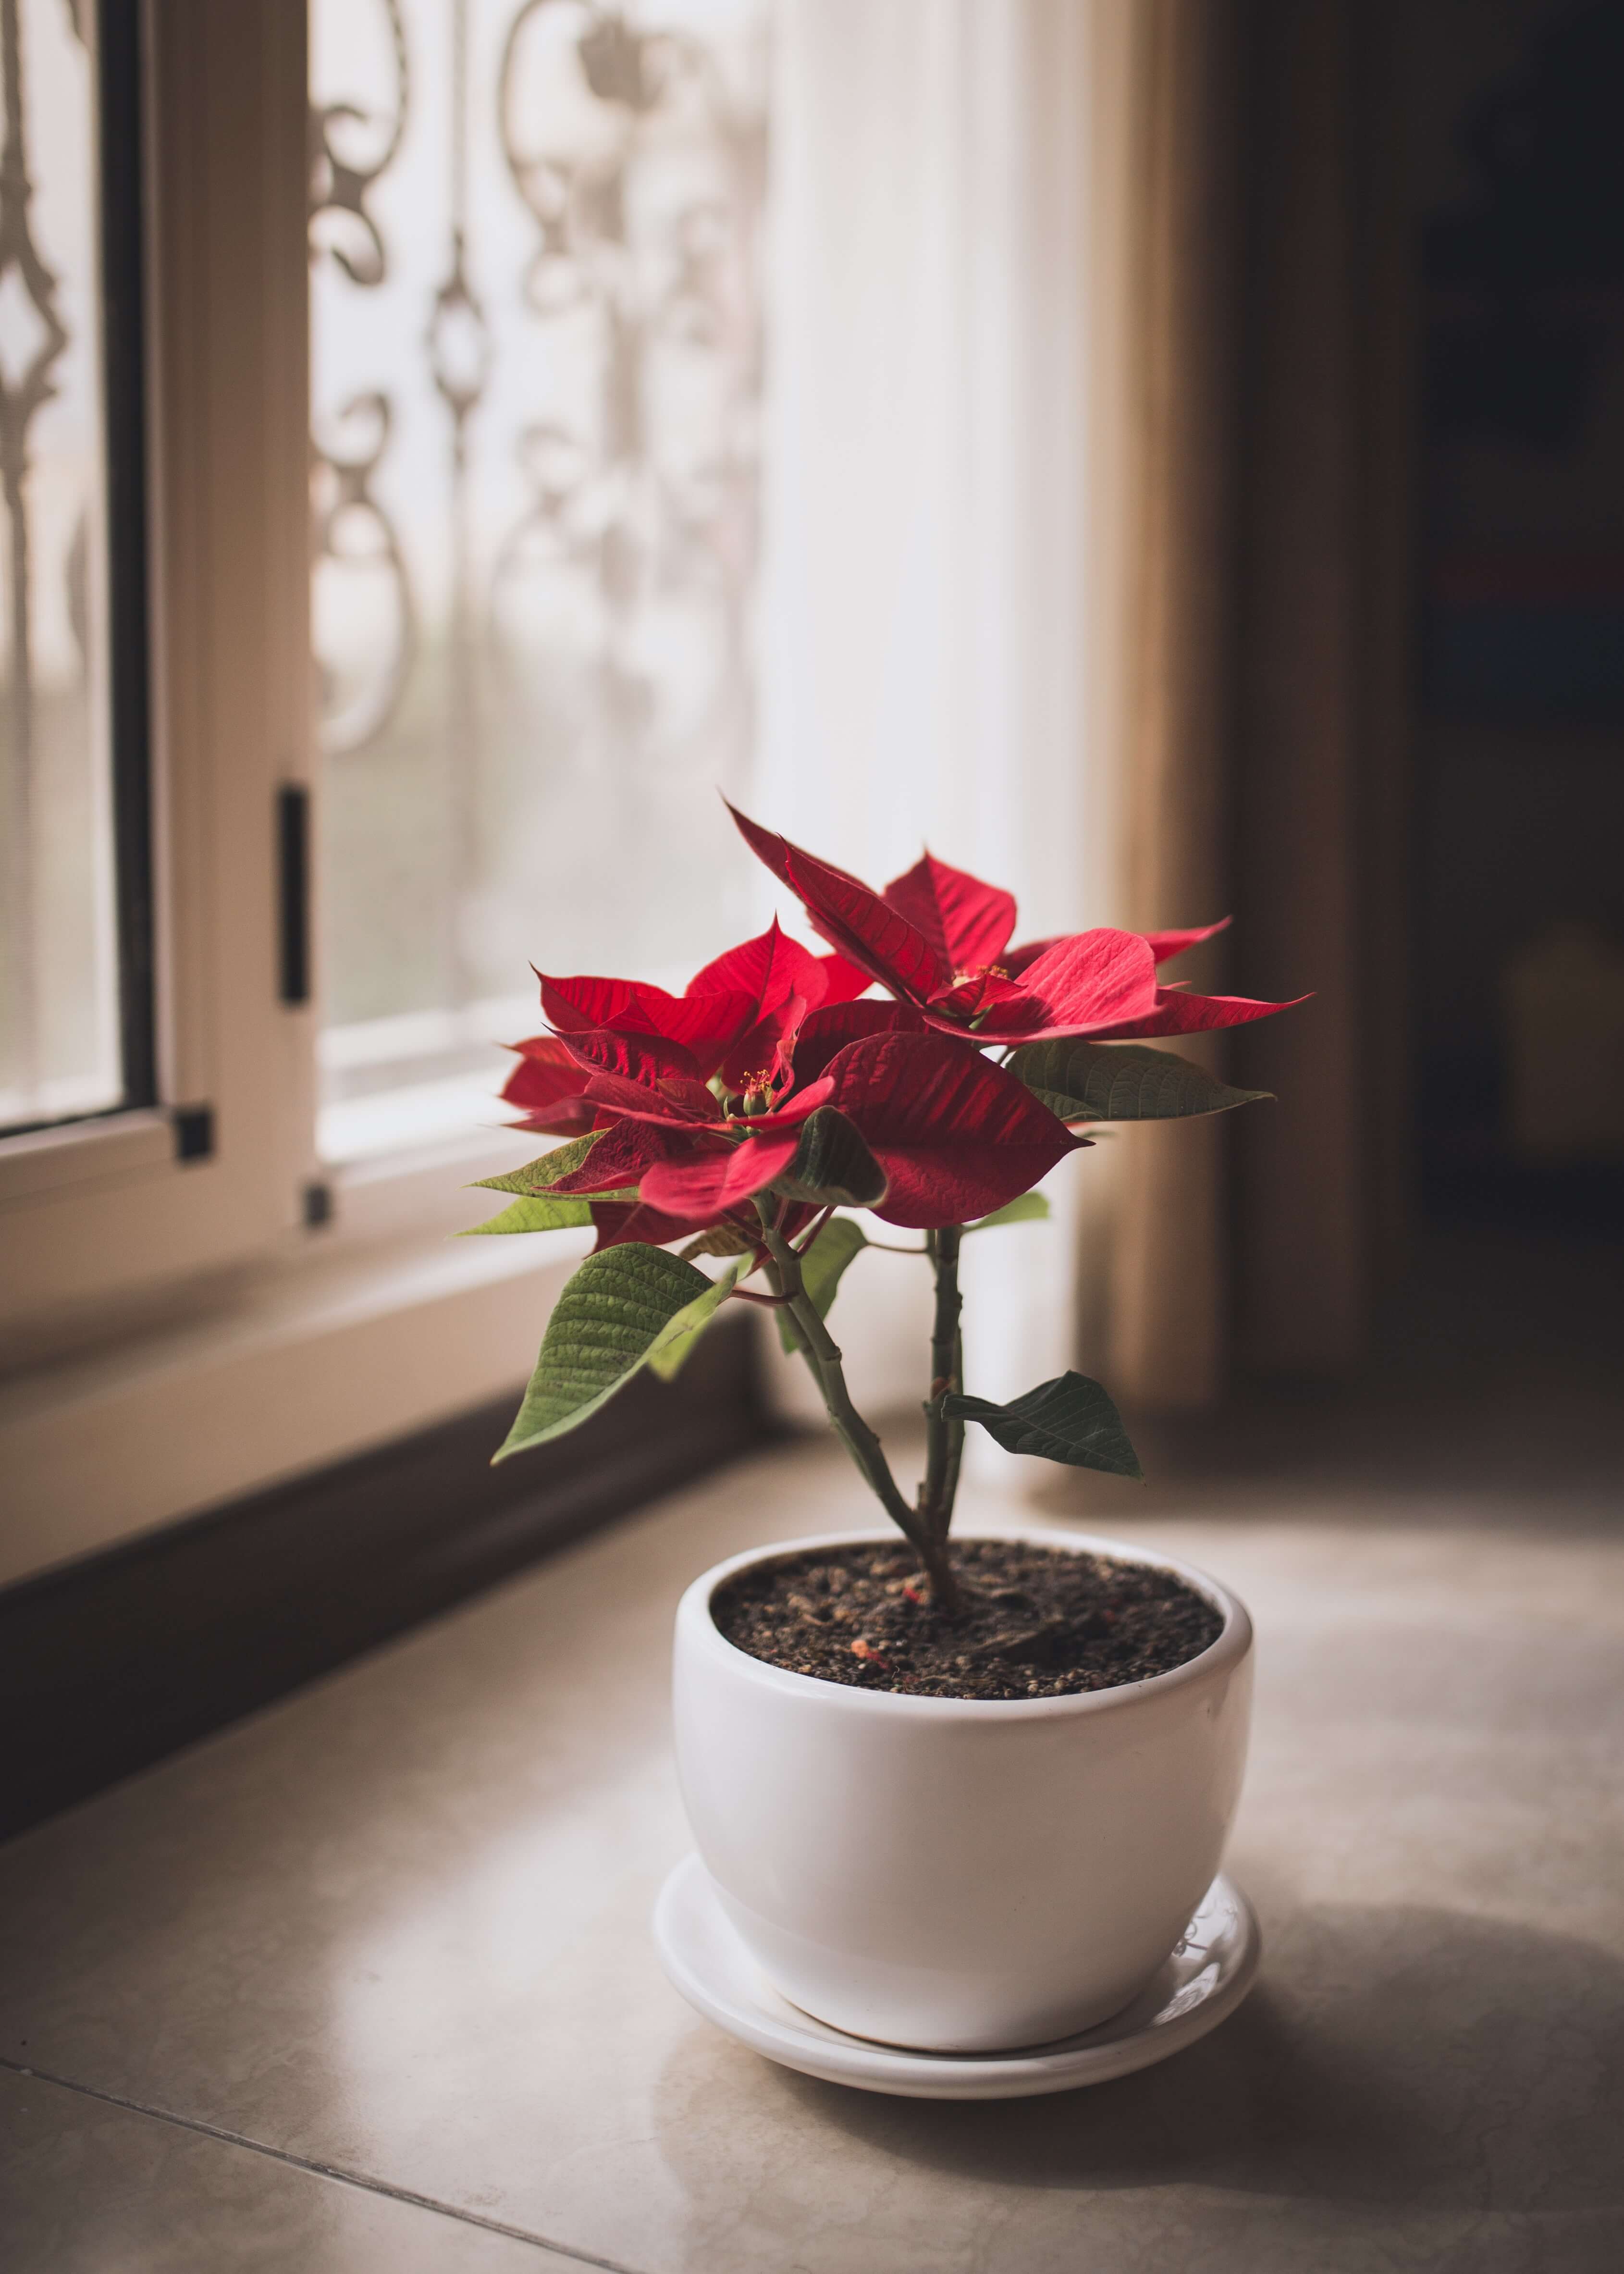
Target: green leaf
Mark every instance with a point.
(534, 1213)
(675, 1344)
(618, 1310)
(563, 1161)
(1121, 1081)
(1070, 1419)
(1030, 1208)
(832, 1167)
(721, 1239)
(821, 1269)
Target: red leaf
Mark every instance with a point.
(769, 970)
(956, 1136)
(974, 998)
(1174, 1013)
(967, 923)
(546, 1073)
(622, 1153)
(842, 981)
(688, 1106)
(825, 1031)
(855, 921)
(675, 1103)
(1015, 960)
(795, 1109)
(620, 1221)
(1090, 982)
(708, 1185)
(644, 1058)
(572, 1117)
(766, 1051)
(703, 1024)
(1164, 945)
(1092, 976)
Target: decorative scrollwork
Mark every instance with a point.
(355, 537)
(536, 531)
(459, 342)
(339, 186)
(614, 499)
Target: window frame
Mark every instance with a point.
(178, 1323)
(210, 1171)
(191, 1306)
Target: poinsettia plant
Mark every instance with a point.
(744, 1121)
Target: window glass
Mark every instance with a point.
(59, 1012)
(536, 342)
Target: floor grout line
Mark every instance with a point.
(358, 2180)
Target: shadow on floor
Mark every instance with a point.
(1414, 2059)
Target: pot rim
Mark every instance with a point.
(1227, 1650)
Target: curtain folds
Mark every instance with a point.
(1171, 1276)
(1264, 757)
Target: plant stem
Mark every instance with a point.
(824, 1355)
(944, 1437)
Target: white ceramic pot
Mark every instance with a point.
(963, 1875)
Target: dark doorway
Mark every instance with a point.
(1519, 742)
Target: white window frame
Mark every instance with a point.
(172, 1332)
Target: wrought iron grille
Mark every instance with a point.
(59, 1003)
(537, 345)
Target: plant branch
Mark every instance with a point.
(824, 1355)
(813, 1229)
(944, 1438)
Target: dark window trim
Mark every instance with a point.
(120, 92)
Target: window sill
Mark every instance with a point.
(288, 1366)
(109, 1148)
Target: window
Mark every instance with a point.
(536, 354)
(74, 1002)
(143, 996)
(534, 537)
(492, 271)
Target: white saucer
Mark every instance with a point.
(1201, 1983)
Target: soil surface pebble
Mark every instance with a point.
(1034, 1622)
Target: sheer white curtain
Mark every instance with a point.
(941, 613)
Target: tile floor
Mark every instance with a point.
(365, 1982)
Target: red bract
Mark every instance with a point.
(731, 1021)
(704, 1025)
(956, 1135)
(967, 923)
(830, 1029)
(937, 938)
(547, 1083)
(693, 1162)
(1164, 945)
(621, 1223)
